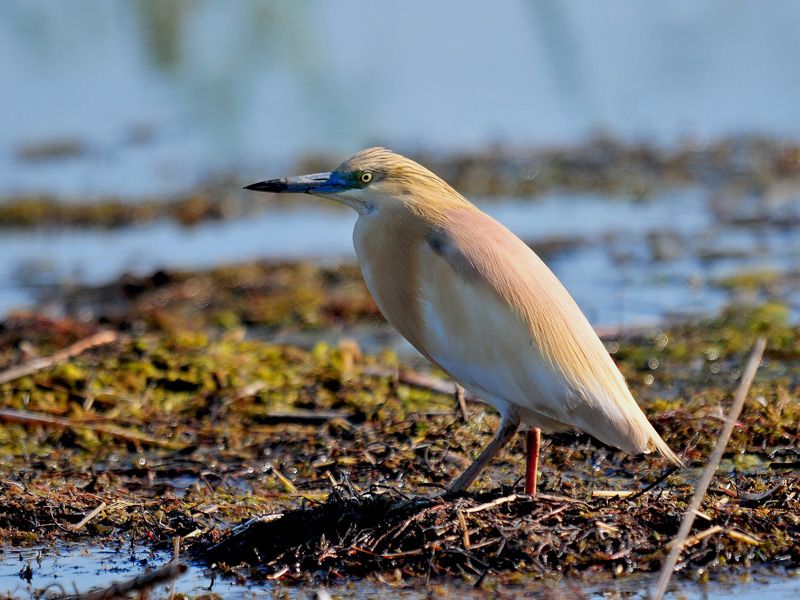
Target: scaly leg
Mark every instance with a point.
(508, 427)
(533, 438)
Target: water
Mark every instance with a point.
(146, 98)
(81, 567)
(152, 97)
(74, 568)
(607, 263)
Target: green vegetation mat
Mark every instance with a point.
(188, 420)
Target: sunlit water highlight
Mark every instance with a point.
(78, 567)
(606, 256)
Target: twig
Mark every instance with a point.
(606, 527)
(391, 556)
(741, 536)
(285, 481)
(552, 513)
(462, 402)
(278, 574)
(304, 416)
(78, 526)
(146, 581)
(751, 497)
(713, 463)
(692, 540)
(644, 490)
(102, 338)
(492, 504)
(464, 529)
(486, 542)
(612, 493)
(553, 498)
(176, 553)
(420, 380)
(9, 415)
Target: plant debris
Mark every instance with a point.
(320, 464)
(477, 534)
(604, 165)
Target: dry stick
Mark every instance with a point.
(101, 338)
(90, 516)
(464, 529)
(146, 581)
(9, 415)
(176, 553)
(750, 497)
(741, 536)
(285, 481)
(670, 470)
(462, 402)
(699, 537)
(491, 504)
(418, 380)
(713, 462)
(612, 493)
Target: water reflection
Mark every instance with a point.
(71, 568)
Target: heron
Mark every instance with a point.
(476, 301)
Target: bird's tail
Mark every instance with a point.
(660, 446)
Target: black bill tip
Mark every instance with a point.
(272, 185)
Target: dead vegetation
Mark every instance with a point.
(480, 534)
(745, 164)
(168, 432)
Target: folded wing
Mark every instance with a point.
(499, 321)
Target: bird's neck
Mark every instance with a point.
(388, 250)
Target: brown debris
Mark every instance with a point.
(357, 534)
(341, 449)
(8, 415)
(100, 338)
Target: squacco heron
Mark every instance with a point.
(479, 303)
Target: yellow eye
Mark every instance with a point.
(365, 177)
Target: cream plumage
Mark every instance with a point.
(479, 303)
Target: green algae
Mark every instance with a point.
(751, 280)
(267, 296)
(602, 165)
(112, 213)
(183, 427)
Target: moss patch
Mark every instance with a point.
(187, 429)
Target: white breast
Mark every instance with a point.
(471, 334)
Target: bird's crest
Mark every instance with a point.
(403, 177)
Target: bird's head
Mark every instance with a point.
(375, 179)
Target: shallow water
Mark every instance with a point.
(141, 99)
(80, 568)
(601, 248)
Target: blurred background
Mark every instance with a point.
(647, 150)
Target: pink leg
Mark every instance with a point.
(534, 436)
